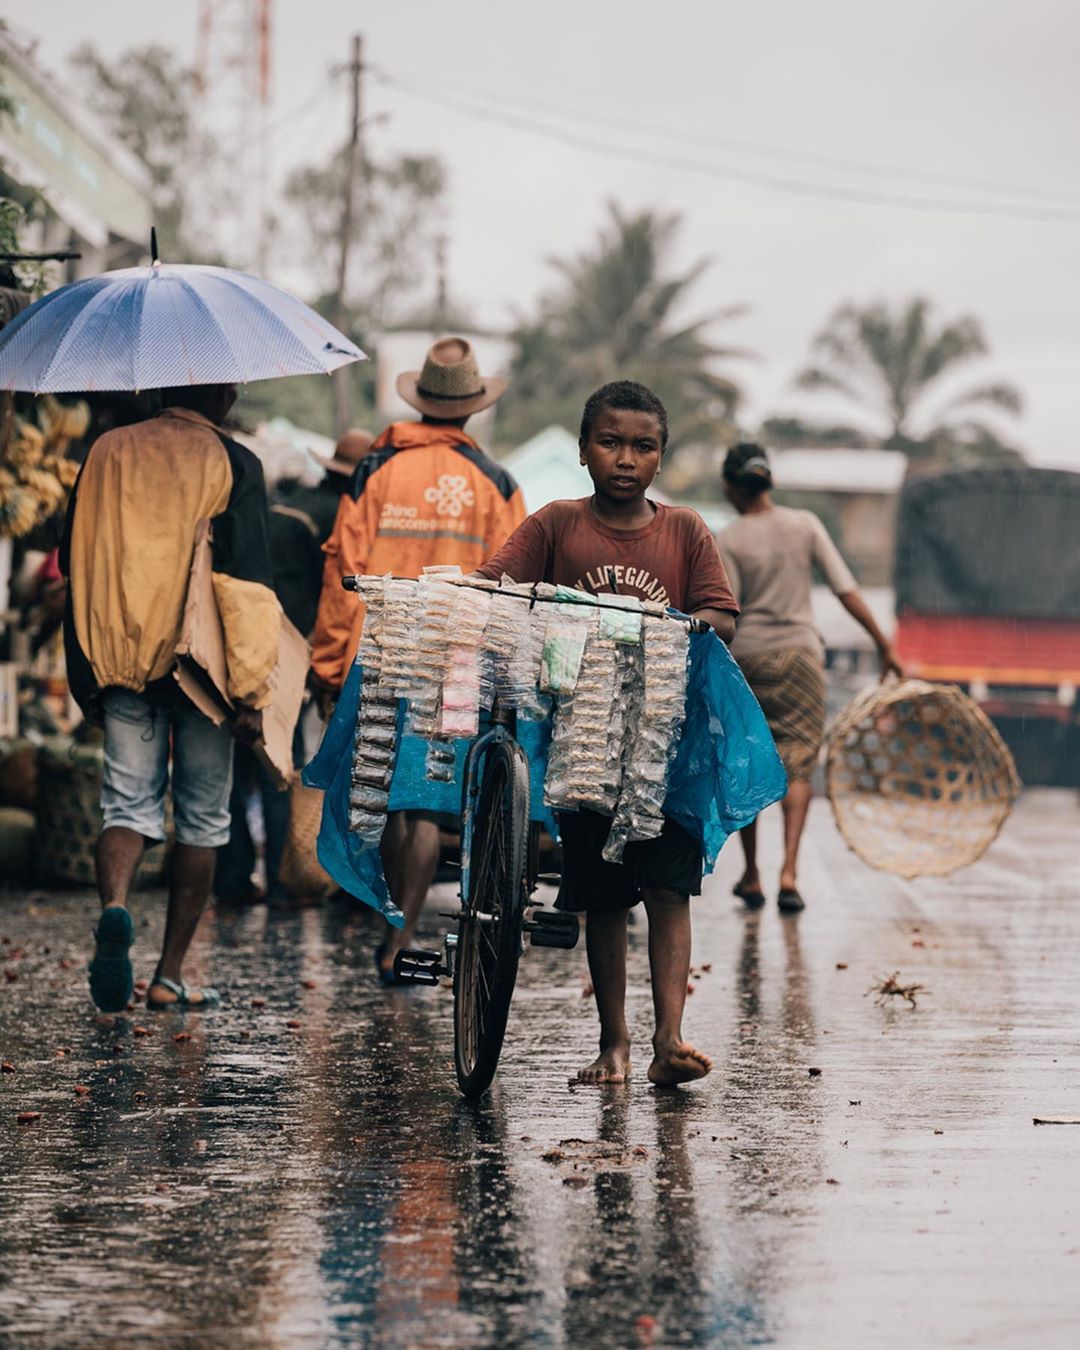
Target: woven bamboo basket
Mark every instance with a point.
(919, 780)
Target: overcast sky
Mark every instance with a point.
(964, 101)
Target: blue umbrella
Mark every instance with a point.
(166, 325)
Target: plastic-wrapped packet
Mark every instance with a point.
(435, 600)
(560, 659)
(658, 689)
(583, 767)
(507, 628)
(398, 634)
(523, 670)
(440, 761)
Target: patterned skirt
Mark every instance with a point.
(790, 686)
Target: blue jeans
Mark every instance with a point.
(139, 729)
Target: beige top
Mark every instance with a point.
(769, 556)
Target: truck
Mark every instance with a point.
(987, 585)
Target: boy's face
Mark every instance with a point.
(623, 452)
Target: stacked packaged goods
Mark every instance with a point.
(609, 670)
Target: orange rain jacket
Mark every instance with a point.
(424, 495)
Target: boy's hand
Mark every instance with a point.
(246, 726)
(326, 695)
(719, 620)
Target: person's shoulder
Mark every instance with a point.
(684, 519)
(500, 478)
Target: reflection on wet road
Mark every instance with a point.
(298, 1169)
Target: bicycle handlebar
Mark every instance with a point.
(352, 583)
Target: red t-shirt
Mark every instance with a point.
(671, 561)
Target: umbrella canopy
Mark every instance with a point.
(166, 325)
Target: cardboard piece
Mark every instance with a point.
(202, 673)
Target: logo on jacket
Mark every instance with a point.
(451, 495)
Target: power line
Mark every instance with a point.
(733, 173)
(564, 111)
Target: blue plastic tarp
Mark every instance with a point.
(726, 771)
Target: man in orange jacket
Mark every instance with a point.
(424, 495)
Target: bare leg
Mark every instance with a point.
(674, 1060)
(192, 875)
(119, 852)
(413, 860)
(751, 878)
(605, 940)
(795, 806)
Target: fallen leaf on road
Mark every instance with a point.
(311, 984)
(814, 1073)
(182, 1036)
(141, 1031)
(81, 1090)
(163, 1188)
(831, 1181)
(841, 965)
(293, 1024)
(28, 1117)
(106, 1021)
(890, 986)
(258, 1003)
(7, 1067)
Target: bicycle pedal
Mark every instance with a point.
(553, 928)
(416, 966)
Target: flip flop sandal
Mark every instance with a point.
(751, 898)
(112, 981)
(790, 901)
(210, 997)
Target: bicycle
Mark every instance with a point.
(499, 873)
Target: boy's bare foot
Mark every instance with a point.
(610, 1066)
(678, 1063)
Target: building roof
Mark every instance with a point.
(873, 471)
(52, 143)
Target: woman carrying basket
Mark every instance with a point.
(769, 554)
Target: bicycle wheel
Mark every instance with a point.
(489, 935)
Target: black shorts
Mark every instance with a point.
(672, 862)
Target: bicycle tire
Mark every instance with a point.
(488, 951)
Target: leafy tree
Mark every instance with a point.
(144, 97)
(614, 314)
(889, 362)
(399, 203)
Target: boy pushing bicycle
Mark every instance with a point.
(619, 541)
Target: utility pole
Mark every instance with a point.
(441, 303)
(353, 165)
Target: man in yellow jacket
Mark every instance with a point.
(424, 495)
(127, 551)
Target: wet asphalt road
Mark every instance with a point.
(302, 1172)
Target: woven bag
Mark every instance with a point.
(301, 873)
(919, 780)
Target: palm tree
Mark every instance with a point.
(614, 315)
(889, 362)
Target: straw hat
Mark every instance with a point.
(348, 452)
(450, 385)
